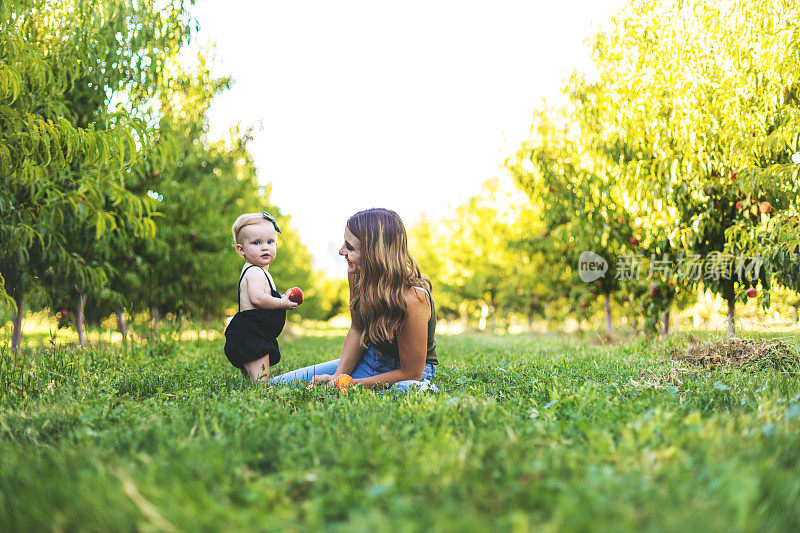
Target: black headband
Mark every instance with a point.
(271, 219)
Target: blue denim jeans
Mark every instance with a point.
(370, 365)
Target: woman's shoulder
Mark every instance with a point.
(416, 298)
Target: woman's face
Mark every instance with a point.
(351, 250)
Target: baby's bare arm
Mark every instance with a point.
(259, 293)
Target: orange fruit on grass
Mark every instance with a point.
(344, 382)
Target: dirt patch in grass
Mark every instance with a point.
(603, 339)
(749, 355)
(746, 354)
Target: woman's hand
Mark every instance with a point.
(321, 378)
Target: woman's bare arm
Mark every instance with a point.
(352, 351)
(412, 342)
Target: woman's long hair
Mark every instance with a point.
(386, 270)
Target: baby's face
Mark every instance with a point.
(259, 244)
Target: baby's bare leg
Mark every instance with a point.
(258, 370)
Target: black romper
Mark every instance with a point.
(253, 333)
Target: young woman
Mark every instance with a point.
(391, 341)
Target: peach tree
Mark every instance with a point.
(64, 146)
(698, 97)
(566, 172)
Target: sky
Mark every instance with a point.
(405, 105)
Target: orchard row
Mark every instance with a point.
(112, 198)
(682, 140)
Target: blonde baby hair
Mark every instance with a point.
(248, 219)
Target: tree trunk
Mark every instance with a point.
(154, 318)
(665, 320)
(730, 297)
(609, 327)
(16, 332)
(123, 326)
(79, 319)
(484, 315)
(731, 318)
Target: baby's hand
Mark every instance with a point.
(287, 303)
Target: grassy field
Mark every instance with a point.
(526, 433)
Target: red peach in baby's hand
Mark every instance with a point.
(296, 295)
